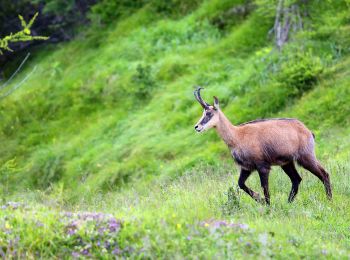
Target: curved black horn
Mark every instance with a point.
(197, 95)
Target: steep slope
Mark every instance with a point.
(116, 106)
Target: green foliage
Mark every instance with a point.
(21, 36)
(7, 170)
(231, 206)
(47, 170)
(106, 11)
(172, 70)
(175, 8)
(61, 7)
(300, 72)
(142, 82)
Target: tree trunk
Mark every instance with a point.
(287, 18)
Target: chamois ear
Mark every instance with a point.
(216, 103)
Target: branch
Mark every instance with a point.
(15, 73)
(18, 84)
(3, 86)
(21, 36)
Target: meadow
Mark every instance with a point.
(99, 157)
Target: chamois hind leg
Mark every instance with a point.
(264, 180)
(241, 183)
(295, 178)
(310, 163)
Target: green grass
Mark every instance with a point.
(106, 124)
(190, 217)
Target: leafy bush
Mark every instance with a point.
(299, 72)
(142, 82)
(47, 170)
(278, 82)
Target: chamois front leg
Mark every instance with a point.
(241, 183)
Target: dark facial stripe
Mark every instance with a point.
(207, 118)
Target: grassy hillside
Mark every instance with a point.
(106, 123)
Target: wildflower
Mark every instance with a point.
(71, 231)
(178, 226)
(206, 224)
(7, 225)
(116, 251)
(85, 251)
(114, 225)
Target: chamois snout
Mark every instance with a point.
(198, 128)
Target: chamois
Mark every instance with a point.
(259, 144)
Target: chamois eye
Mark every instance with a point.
(208, 114)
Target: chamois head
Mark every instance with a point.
(210, 116)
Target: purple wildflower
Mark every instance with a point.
(85, 252)
(72, 227)
(101, 230)
(114, 225)
(116, 251)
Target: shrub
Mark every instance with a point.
(142, 82)
(287, 77)
(299, 73)
(47, 170)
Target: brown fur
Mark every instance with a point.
(273, 141)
